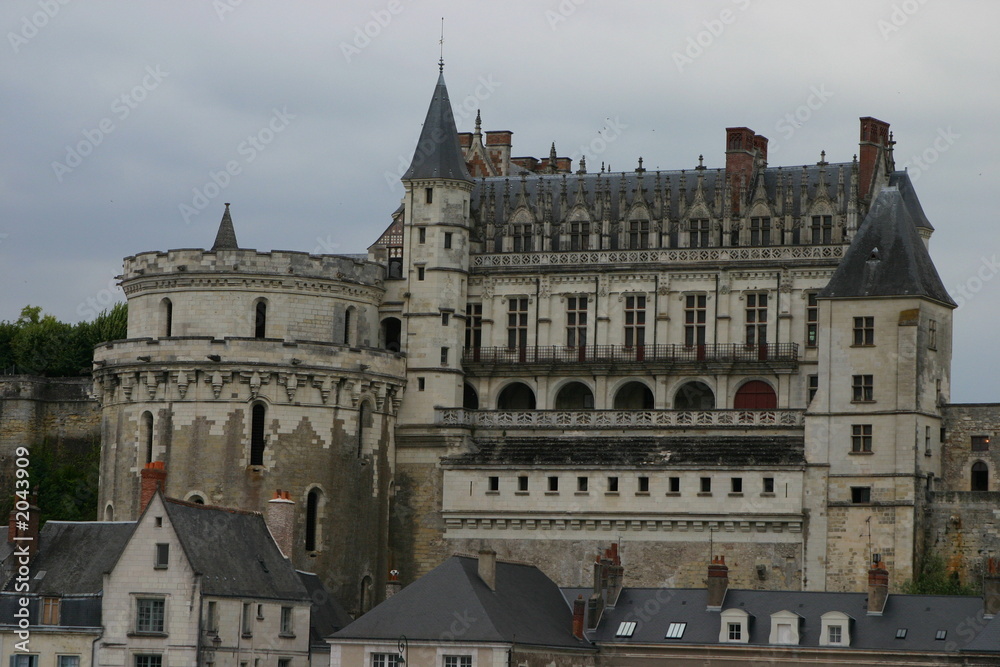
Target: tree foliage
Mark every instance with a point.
(39, 344)
(935, 579)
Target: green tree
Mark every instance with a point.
(935, 579)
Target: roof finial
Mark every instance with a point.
(441, 43)
(479, 122)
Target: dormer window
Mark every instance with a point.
(835, 629)
(675, 631)
(625, 629)
(735, 627)
(784, 628)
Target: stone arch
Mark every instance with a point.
(366, 594)
(109, 512)
(366, 421)
(146, 436)
(259, 315)
(315, 506)
(392, 334)
(516, 396)
(196, 497)
(755, 395)
(349, 332)
(634, 395)
(694, 395)
(167, 317)
(258, 439)
(979, 477)
(574, 395)
(470, 397)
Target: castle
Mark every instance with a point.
(750, 360)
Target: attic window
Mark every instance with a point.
(159, 522)
(901, 633)
(940, 635)
(162, 556)
(625, 629)
(675, 630)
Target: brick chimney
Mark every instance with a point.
(718, 583)
(154, 477)
(991, 588)
(579, 609)
(498, 143)
(488, 567)
(878, 587)
(392, 585)
(20, 532)
(280, 519)
(741, 147)
(874, 140)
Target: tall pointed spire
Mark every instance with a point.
(438, 154)
(225, 239)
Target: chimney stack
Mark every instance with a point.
(488, 567)
(579, 609)
(154, 477)
(19, 532)
(742, 145)
(874, 140)
(991, 588)
(393, 585)
(718, 583)
(878, 587)
(280, 519)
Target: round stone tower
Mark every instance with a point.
(249, 372)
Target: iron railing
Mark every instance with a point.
(663, 352)
(597, 419)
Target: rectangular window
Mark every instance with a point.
(522, 483)
(576, 321)
(625, 629)
(385, 659)
(447, 240)
(494, 484)
(421, 384)
(694, 319)
(760, 231)
(286, 621)
(635, 321)
(284, 662)
(522, 238)
(864, 330)
(212, 617)
(735, 632)
(862, 388)
(768, 485)
(473, 326)
(638, 234)
(445, 318)
(698, 233)
(429, 195)
(579, 235)
(458, 661)
(736, 485)
(24, 661)
(246, 626)
(932, 334)
(612, 485)
(50, 611)
(822, 229)
(674, 484)
(941, 635)
(756, 318)
(421, 234)
(675, 631)
(420, 273)
(861, 438)
(900, 633)
(517, 323)
(149, 661)
(582, 483)
(980, 443)
(813, 386)
(706, 484)
(68, 661)
(834, 634)
(162, 556)
(643, 485)
(554, 484)
(812, 319)
(444, 356)
(861, 494)
(149, 614)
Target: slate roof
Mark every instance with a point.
(451, 601)
(438, 154)
(901, 180)
(664, 451)
(74, 612)
(234, 552)
(327, 614)
(74, 555)
(887, 256)
(225, 239)
(922, 616)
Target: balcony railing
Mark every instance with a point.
(610, 419)
(665, 352)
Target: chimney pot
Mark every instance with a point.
(878, 589)
(280, 519)
(488, 567)
(154, 478)
(718, 583)
(579, 610)
(393, 584)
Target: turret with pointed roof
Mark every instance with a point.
(225, 239)
(438, 154)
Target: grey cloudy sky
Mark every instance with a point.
(118, 113)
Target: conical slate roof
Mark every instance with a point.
(887, 256)
(438, 154)
(226, 238)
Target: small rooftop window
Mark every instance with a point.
(676, 630)
(941, 634)
(625, 629)
(901, 633)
